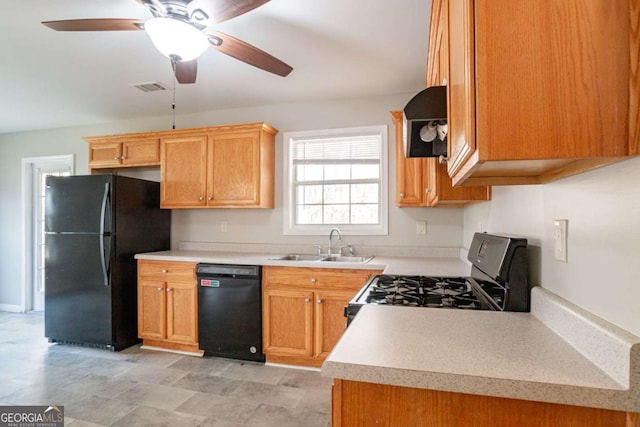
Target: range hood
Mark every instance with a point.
(425, 123)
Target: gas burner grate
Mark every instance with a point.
(422, 291)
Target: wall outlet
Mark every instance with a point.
(421, 227)
(560, 239)
(224, 226)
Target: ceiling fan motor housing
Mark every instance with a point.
(183, 10)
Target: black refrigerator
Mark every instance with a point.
(94, 225)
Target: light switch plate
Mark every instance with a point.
(560, 239)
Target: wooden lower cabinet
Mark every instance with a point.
(168, 305)
(303, 311)
(364, 404)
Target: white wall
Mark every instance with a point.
(245, 226)
(602, 274)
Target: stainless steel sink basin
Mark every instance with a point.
(299, 257)
(356, 259)
(323, 258)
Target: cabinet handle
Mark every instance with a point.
(307, 300)
(402, 195)
(165, 271)
(313, 280)
(123, 157)
(116, 158)
(159, 289)
(169, 289)
(319, 301)
(209, 198)
(201, 198)
(427, 190)
(442, 159)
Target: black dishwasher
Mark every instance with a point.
(230, 311)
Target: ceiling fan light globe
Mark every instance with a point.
(175, 38)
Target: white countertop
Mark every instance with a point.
(514, 355)
(434, 266)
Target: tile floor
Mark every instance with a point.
(137, 387)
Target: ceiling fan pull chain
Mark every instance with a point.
(173, 101)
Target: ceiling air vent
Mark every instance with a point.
(150, 87)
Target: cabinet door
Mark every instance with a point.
(182, 312)
(440, 189)
(409, 171)
(141, 152)
(151, 309)
(287, 322)
(460, 89)
(183, 163)
(233, 176)
(105, 154)
(330, 322)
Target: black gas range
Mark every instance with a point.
(498, 281)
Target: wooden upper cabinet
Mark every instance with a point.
(409, 171)
(183, 171)
(238, 162)
(425, 182)
(116, 151)
(540, 90)
(220, 167)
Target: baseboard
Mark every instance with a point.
(11, 308)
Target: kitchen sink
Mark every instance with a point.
(340, 258)
(299, 257)
(322, 258)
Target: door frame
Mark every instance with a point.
(28, 259)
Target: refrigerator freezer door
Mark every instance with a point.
(75, 204)
(77, 302)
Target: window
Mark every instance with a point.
(336, 178)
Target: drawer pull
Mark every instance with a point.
(169, 289)
(165, 271)
(159, 289)
(313, 280)
(319, 301)
(307, 300)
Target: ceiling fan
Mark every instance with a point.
(178, 30)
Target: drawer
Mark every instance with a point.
(167, 270)
(322, 278)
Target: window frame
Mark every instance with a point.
(289, 226)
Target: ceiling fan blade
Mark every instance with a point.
(222, 10)
(245, 52)
(186, 71)
(96, 25)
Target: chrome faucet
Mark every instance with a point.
(333, 230)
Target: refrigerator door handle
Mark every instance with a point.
(104, 257)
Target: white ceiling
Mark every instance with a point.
(337, 48)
